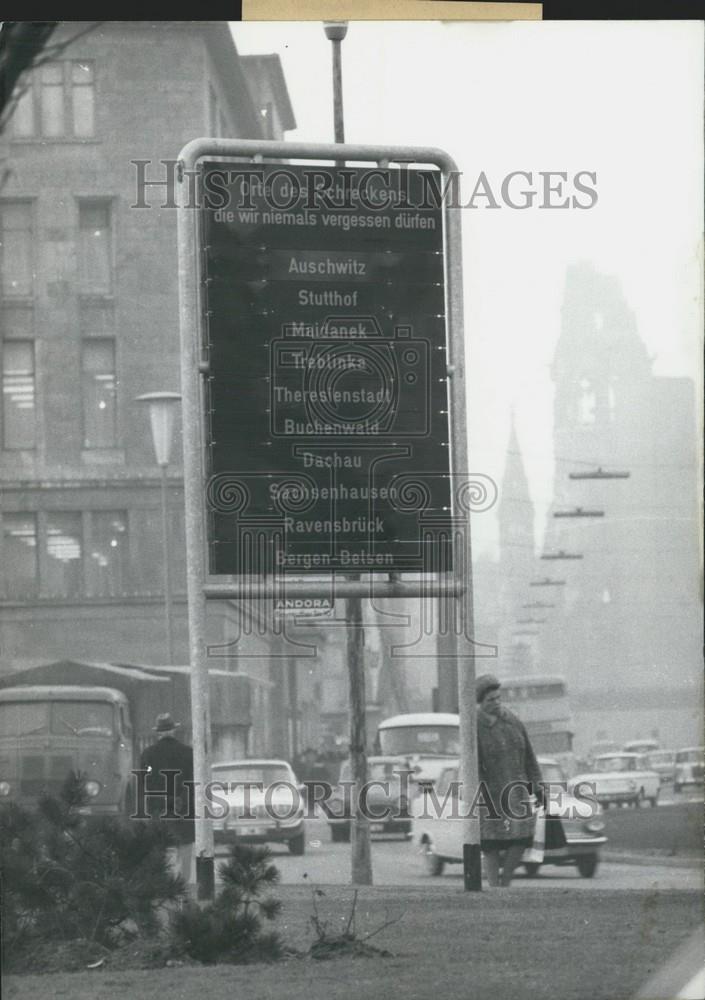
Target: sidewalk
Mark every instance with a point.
(517, 944)
(683, 975)
(656, 858)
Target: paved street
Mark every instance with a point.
(668, 796)
(398, 862)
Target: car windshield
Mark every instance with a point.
(552, 773)
(549, 743)
(609, 764)
(689, 756)
(420, 739)
(606, 747)
(377, 770)
(61, 718)
(264, 774)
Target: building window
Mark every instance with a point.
(18, 388)
(19, 555)
(107, 565)
(82, 93)
(60, 571)
(217, 126)
(212, 112)
(51, 101)
(95, 250)
(64, 552)
(16, 248)
(98, 390)
(612, 389)
(587, 404)
(267, 115)
(23, 118)
(56, 101)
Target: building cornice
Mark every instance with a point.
(89, 480)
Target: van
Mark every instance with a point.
(689, 767)
(428, 741)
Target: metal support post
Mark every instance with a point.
(293, 699)
(463, 626)
(338, 119)
(361, 861)
(167, 568)
(195, 543)
(360, 828)
(253, 588)
(447, 662)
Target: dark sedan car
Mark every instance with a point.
(387, 804)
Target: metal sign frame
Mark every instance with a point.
(193, 371)
(455, 585)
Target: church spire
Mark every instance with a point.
(516, 553)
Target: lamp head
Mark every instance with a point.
(162, 406)
(335, 30)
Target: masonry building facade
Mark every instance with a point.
(89, 322)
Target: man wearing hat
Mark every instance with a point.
(509, 772)
(169, 765)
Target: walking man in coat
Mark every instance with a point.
(510, 773)
(169, 765)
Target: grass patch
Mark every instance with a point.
(597, 945)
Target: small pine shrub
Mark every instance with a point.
(231, 929)
(66, 876)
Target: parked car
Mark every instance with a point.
(641, 746)
(621, 778)
(387, 799)
(664, 763)
(689, 767)
(261, 801)
(440, 836)
(597, 749)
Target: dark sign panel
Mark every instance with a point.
(327, 403)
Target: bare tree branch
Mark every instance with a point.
(387, 923)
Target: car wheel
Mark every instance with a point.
(653, 801)
(587, 865)
(297, 845)
(432, 863)
(532, 868)
(340, 833)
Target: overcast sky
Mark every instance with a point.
(622, 99)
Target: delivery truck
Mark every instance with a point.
(95, 719)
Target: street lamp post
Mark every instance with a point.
(360, 832)
(162, 415)
(335, 33)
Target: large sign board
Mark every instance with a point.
(325, 346)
